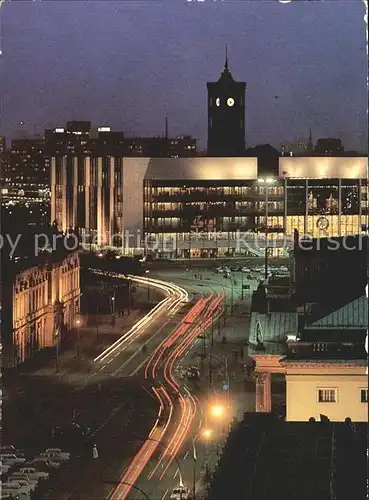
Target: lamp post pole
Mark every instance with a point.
(78, 346)
(211, 353)
(57, 350)
(148, 285)
(231, 294)
(194, 469)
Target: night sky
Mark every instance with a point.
(129, 64)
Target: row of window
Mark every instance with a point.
(330, 395)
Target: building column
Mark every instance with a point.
(267, 393)
(306, 218)
(339, 207)
(263, 392)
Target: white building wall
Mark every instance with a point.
(323, 167)
(134, 170)
(302, 396)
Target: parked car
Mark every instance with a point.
(33, 473)
(55, 457)
(23, 482)
(52, 464)
(19, 475)
(4, 468)
(8, 449)
(11, 457)
(47, 460)
(12, 450)
(16, 489)
(58, 451)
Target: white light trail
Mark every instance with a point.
(176, 296)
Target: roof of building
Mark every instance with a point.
(353, 315)
(273, 326)
(200, 168)
(267, 458)
(323, 167)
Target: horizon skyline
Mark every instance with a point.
(134, 90)
(94, 127)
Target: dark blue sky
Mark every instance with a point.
(131, 63)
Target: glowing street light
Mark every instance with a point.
(207, 433)
(217, 411)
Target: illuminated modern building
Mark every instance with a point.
(204, 216)
(202, 207)
(43, 301)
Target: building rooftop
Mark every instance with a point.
(273, 326)
(353, 315)
(202, 169)
(323, 167)
(269, 459)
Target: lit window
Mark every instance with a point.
(364, 395)
(327, 395)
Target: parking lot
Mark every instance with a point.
(114, 412)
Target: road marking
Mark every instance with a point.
(138, 351)
(176, 474)
(165, 494)
(186, 455)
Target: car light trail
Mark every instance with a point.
(176, 297)
(188, 404)
(196, 321)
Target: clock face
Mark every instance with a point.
(230, 101)
(217, 101)
(322, 223)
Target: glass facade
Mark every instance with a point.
(206, 218)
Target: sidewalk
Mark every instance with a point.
(95, 335)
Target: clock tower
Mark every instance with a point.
(226, 115)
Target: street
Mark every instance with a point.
(152, 427)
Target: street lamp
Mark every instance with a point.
(266, 182)
(113, 304)
(57, 337)
(78, 325)
(206, 433)
(217, 411)
(148, 287)
(194, 469)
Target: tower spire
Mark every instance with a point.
(226, 58)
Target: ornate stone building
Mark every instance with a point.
(38, 302)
